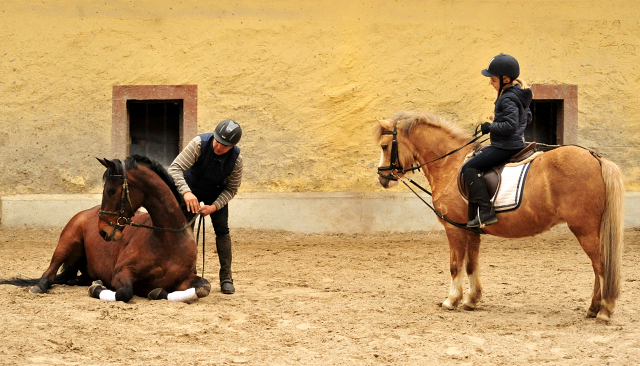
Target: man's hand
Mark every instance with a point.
(207, 210)
(193, 205)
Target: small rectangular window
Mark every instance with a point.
(154, 129)
(153, 120)
(543, 127)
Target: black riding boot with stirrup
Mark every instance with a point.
(223, 245)
(479, 196)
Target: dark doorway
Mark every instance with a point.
(154, 127)
(543, 127)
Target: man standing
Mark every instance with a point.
(209, 169)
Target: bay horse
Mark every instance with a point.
(568, 184)
(109, 242)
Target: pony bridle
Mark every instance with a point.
(394, 161)
(122, 219)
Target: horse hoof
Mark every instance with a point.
(469, 307)
(203, 290)
(95, 289)
(36, 290)
(97, 282)
(448, 305)
(603, 318)
(158, 294)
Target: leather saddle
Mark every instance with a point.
(493, 176)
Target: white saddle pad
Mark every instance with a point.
(509, 193)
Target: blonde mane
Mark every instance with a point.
(409, 120)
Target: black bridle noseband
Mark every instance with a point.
(396, 168)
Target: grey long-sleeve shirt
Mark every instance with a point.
(188, 157)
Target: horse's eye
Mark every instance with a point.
(384, 147)
(111, 192)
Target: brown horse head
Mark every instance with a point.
(117, 203)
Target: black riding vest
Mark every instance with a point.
(207, 178)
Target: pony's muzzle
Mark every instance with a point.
(385, 182)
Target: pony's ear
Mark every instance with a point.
(387, 124)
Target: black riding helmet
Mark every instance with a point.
(228, 132)
(502, 65)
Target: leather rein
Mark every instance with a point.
(396, 168)
(122, 219)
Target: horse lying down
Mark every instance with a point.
(120, 251)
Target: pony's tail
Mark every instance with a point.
(611, 229)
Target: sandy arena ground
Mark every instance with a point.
(332, 300)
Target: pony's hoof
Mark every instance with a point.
(158, 294)
(36, 290)
(469, 307)
(449, 305)
(97, 282)
(603, 318)
(591, 313)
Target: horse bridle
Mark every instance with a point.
(122, 219)
(394, 160)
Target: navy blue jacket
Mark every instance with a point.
(207, 178)
(511, 116)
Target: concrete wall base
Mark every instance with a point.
(349, 213)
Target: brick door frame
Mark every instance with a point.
(120, 138)
(567, 123)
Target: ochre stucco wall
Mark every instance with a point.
(305, 79)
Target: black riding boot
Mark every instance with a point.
(479, 196)
(223, 245)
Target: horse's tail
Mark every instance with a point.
(20, 282)
(68, 273)
(612, 229)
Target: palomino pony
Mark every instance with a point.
(130, 260)
(569, 185)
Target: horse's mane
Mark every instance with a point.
(133, 161)
(410, 120)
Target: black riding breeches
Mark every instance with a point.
(488, 158)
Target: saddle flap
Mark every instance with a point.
(492, 177)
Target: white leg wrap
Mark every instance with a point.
(107, 295)
(183, 296)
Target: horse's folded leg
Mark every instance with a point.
(187, 295)
(202, 286)
(41, 287)
(158, 294)
(96, 290)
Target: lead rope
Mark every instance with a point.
(201, 223)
